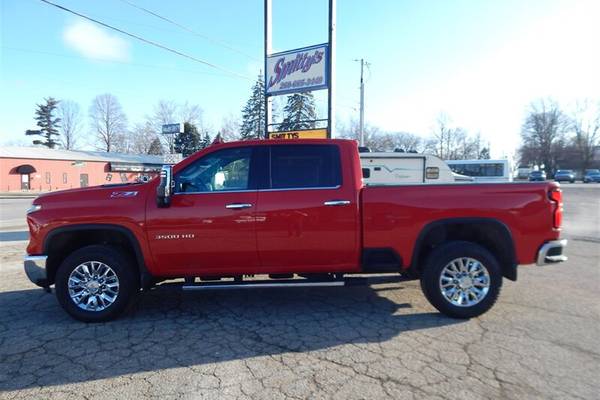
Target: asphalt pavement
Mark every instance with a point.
(541, 340)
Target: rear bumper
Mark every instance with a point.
(552, 252)
(35, 268)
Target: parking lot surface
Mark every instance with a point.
(541, 340)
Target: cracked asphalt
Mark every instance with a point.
(541, 340)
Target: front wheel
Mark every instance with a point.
(96, 283)
(461, 279)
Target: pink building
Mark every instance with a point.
(40, 169)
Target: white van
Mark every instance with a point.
(406, 168)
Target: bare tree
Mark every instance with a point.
(372, 134)
(142, 136)
(585, 123)
(452, 143)
(440, 138)
(190, 113)
(376, 140)
(70, 116)
(407, 142)
(230, 129)
(542, 134)
(170, 112)
(109, 123)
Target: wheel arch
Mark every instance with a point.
(62, 241)
(491, 233)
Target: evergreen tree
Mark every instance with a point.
(484, 154)
(189, 141)
(156, 148)
(206, 141)
(48, 123)
(299, 112)
(253, 113)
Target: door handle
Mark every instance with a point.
(237, 206)
(337, 202)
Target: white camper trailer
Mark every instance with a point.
(406, 168)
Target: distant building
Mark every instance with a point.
(39, 169)
(570, 158)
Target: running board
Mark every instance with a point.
(279, 283)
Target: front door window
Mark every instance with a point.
(222, 171)
(25, 182)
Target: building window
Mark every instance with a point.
(83, 180)
(64, 177)
(48, 180)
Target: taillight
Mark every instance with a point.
(556, 197)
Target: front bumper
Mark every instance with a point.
(552, 252)
(35, 268)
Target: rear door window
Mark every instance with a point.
(305, 166)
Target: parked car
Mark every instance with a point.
(564, 175)
(537, 176)
(591, 175)
(296, 212)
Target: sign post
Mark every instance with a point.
(268, 50)
(172, 129)
(300, 70)
(331, 66)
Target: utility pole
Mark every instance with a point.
(361, 137)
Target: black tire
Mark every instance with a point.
(118, 261)
(442, 256)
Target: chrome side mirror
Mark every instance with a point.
(165, 187)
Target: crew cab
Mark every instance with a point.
(295, 212)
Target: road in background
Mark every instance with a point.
(13, 224)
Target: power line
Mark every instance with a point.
(129, 64)
(150, 42)
(185, 28)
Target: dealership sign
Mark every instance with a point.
(300, 134)
(299, 70)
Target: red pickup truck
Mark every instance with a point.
(295, 211)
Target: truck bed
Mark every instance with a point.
(399, 214)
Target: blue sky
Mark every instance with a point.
(480, 62)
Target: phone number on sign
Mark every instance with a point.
(301, 83)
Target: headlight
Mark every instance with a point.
(34, 208)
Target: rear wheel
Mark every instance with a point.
(461, 279)
(96, 283)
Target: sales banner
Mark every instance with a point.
(296, 71)
(300, 134)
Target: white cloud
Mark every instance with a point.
(94, 42)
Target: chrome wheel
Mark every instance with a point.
(93, 286)
(464, 282)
